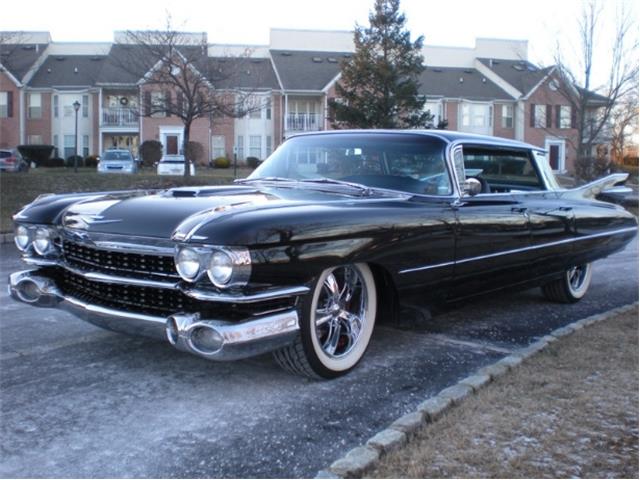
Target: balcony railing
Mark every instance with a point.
(119, 117)
(303, 122)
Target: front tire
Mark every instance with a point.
(336, 324)
(571, 287)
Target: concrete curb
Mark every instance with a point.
(363, 458)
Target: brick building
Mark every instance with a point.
(489, 89)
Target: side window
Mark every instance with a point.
(503, 170)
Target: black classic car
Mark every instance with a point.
(328, 235)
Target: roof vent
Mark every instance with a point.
(60, 59)
(317, 60)
(75, 69)
(285, 54)
(468, 71)
(519, 68)
(248, 72)
(96, 59)
(461, 80)
(332, 60)
(48, 70)
(28, 47)
(484, 80)
(437, 70)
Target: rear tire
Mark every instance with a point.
(571, 287)
(336, 324)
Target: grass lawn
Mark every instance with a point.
(571, 411)
(18, 189)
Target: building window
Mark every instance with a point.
(539, 116)
(85, 145)
(217, 146)
(85, 106)
(269, 145)
(255, 146)
(256, 112)
(268, 108)
(55, 143)
(35, 105)
(158, 104)
(240, 147)
(56, 106)
(564, 118)
(435, 109)
(4, 104)
(69, 145)
(34, 139)
(507, 116)
(475, 115)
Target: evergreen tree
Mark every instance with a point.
(379, 83)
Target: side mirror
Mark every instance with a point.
(471, 187)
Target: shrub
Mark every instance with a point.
(70, 162)
(221, 162)
(36, 153)
(52, 162)
(91, 161)
(195, 152)
(150, 152)
(253, 162)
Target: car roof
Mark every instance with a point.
(449, 136)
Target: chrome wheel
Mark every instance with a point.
(578, 279)
(341, 311)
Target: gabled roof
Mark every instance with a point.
(242, 72)
(468, 83)
(124, 65)
(593, 98)
(306, 70)
(18, 58)
(520, 74)
(68, 71)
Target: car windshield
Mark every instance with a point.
(117, 156)
(407, 162)
(5, 154)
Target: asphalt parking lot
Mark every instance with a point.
(77, 401)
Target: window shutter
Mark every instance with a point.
(147, 103)
(574, 120)
(532, 116)
(549, 116)
(180, 103)
(558, 115)
(167, 103)
(9, 104)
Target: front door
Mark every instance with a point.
(554, 156)
(172, 144)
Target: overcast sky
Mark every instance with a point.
(449, 22)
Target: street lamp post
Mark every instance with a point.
(76, 107)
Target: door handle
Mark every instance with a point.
(519, 209)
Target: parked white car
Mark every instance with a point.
(173, 165)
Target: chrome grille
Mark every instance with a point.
(124, 264)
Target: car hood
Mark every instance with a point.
(183, 212)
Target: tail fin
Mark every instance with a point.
(592, 189)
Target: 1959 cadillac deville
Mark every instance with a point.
(329, 234)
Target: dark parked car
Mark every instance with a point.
(328, 235)
(12, 161)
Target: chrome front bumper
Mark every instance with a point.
(209, 338)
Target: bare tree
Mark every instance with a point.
(594, 105)
(191, 84)
(624, 122)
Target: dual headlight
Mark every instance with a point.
(226, 267)
(41, 238)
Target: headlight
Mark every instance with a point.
(42, 242)
(188, 264)
(220, 268)
(21, 238)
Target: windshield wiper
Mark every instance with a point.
(364, 189)
(264, 179)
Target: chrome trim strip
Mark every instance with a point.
(273, 294)
(519, 250)
(138, 282)
(134, 248)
